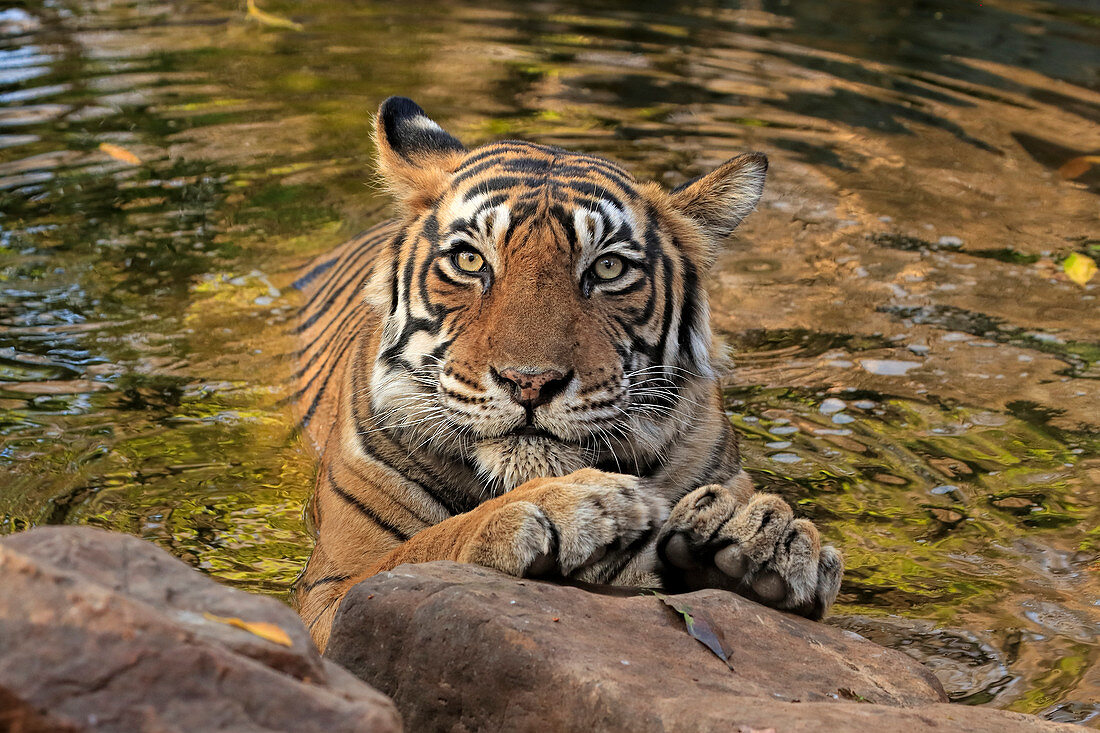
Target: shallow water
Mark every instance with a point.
(911, 366)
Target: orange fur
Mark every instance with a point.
(429, 449)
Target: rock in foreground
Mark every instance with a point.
(462, 648)
(105, 632)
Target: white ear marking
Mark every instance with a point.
(421, 123)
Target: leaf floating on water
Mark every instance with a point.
(262, 629)
(700, 626)
(120, 153)
(270, 19)
(1079, 268)
(1078, 166)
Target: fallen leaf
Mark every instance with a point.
(270, 19)
(1079, 268)
(700, 627)
(120, 153)
(1078, 166)
(262, 629)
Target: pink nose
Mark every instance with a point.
(534, 389)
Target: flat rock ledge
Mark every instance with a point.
(106, 632)
(462, 648)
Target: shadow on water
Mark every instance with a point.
(912, 367)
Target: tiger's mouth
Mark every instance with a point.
(532, 435)
(530, 431)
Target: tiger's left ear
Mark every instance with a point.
(725, 196)
(415, 155)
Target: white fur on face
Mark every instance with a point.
(514, 460)
(436, 411)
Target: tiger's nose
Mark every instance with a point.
(532, 389)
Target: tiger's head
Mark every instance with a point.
(542, 310)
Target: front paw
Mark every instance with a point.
(717, 537)
(585, 525)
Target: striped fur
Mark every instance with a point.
(424, 445)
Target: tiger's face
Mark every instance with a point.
(543, 310)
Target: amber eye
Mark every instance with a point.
(609, 267)
(468, 260)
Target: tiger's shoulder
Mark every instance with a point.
(332, 314)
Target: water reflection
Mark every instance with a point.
(912, 367)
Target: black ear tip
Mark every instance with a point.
(396, 108)
(409, 131)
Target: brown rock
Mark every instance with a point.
(105, 632)
(462, 648)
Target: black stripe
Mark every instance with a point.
(423, 520)
(500, 182)
(328, 579)
(324, 385)
(502, 148)
(364, 509)
(302, 282)
(669, 308)
(323, 610)
(689, 309)
(453, 504)
(325, 339)
(597, 192)
(351, 258)
(505, 162)
(588, 170)
(324, 308)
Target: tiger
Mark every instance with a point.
(518, 371)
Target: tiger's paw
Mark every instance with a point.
(586, 525)
(749, 543)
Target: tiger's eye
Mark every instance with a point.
(469, 261)
(609, 268)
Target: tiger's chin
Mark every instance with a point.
(514, 459)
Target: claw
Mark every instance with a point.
(727, 537)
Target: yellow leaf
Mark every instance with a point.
(1079, 268)
(262, 629)
(1078, 166)
(270, 19)
(120, 153)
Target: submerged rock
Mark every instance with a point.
(106, 632)
(463, 648)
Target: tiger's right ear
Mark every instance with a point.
(415, 155)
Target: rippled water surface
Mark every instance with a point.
(910, 363)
